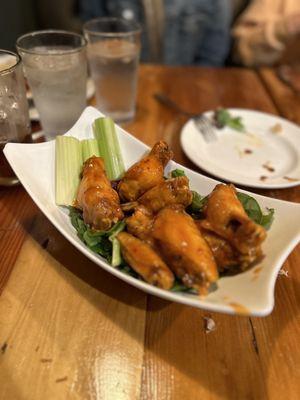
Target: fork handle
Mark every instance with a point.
(166, 101)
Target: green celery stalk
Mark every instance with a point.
(89, 148)
(68, 164)
(116, 257)
(109, 147)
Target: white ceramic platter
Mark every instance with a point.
(251, 292)
(266, 156)
(33, 112)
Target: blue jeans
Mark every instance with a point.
(196, 31)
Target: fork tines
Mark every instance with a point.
(205, 126)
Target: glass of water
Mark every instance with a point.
(14, 117)
(56, 69)
(113, 53)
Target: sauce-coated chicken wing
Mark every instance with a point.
(140, 223)
(145, 261)
(146, 173)
(184, 249)
(96, 198)
(226, 216)
(170, 191)
(227, 257)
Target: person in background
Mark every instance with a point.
(267, 33)
(175, 32)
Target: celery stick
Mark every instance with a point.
(116, 253)
(116, 258)
(89, 148)
(109, 147)
(68, 165)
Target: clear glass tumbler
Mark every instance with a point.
(113, 53)
(56, 69)
(14, 117)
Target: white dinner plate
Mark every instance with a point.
(266, 156)
(33, 112)
(250, 292)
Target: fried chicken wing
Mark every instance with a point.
(140, 223)
(226, 216)
(146, 173)
(170, 191)
(184, 249)
(145, 261)
(96, 198)
(227, 257)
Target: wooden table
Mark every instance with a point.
(69, 330)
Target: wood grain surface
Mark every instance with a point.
(69, 330)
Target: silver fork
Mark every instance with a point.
(202, 123)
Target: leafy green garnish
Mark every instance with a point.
(222, 118)
(116, 257)
(254, 211)
(179, 287)
(104, 243)
(267, 219)
(177, 172)
(195, 209)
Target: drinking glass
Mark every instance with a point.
(56, 69)
(14, 117)
(113, 54)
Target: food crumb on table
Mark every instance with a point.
(209, 324)
(63, 379)
(284, 272)
(3, 347)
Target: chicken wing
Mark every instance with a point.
(146, 173)
(144, 260)
(184, 249)
(140, 223)
(227, 257)
(96, 198)
(170, 191)
(226, 216)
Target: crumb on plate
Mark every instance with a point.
(277, 128)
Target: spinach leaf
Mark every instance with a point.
(177, 172)
(195, 209)
(267, 219)
(222, 118)
(236, 124)
(104, 243)
(77, 222)
(179, 287)
(254, 211)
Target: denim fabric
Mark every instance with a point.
(196, 31)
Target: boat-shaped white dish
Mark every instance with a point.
(248, 293)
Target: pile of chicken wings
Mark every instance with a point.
(162, 241)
